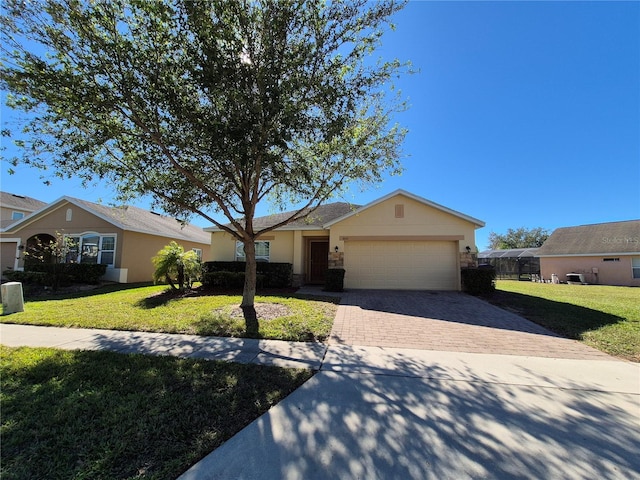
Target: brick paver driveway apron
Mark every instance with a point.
(449, 321)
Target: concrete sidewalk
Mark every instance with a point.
(241, 350)
(386, 413)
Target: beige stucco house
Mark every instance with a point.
(123, 238)
(604, 253)
(400, 241)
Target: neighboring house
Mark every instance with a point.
(400, 241)
(604, 253)
(123, 238)
(15, 207)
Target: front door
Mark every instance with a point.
(318, 261)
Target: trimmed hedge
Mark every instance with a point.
(334, 280)
(58, 274)
(228, 280)
(478, 281)
(269, 275)
(28, 278)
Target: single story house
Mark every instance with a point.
(604, 253)
(123, 238)
(15, 207)
(400, 241)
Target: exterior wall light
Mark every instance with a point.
(336, 249)
(468, 248)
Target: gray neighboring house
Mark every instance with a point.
(603, 253)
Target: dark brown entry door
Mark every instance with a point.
(319, 259)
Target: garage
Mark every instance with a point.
(402, 265)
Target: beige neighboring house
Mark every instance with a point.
(400, 241)
(603, 253)
(13, 208)
(123, 238)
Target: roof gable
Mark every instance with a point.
(126, 218)
(602, 238)
(477, 223)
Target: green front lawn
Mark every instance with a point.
(78, 414)
(604, 317)
(152, 309)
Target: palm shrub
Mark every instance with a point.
(177, 267)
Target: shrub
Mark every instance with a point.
(70, 272)
(274, 275)
(57, 274)
(477, 281)
(228, 280)
(27, 278)
(334, 280)
(177, 267)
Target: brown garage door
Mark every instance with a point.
(406, 265)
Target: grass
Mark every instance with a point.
(81, 414)
(604, 317)
(152, 309)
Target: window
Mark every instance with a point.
(635, 265)
(610, 259)
(198, 253)
(17, 215)
(262, 251)
(91, 248)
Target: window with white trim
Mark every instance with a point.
(91, 248)
(17, 215)
(198, 253)
(262, 251)
(635, 266)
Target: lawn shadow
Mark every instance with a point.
(79, 291)
(565, 319)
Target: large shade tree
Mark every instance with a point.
(208, 106)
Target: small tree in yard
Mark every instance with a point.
(206, 105)
(51, 252)
(177, 267)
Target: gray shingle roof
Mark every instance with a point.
(320, 216)
(130, 218)
(20, 202)
(139, 220)
(601, 238)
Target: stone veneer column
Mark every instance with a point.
(468, 260)
(336, 259)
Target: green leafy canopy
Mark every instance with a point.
(205, 105)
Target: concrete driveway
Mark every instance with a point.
(479, 393)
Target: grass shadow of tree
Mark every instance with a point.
(565, 319)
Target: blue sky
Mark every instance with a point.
(522, 114)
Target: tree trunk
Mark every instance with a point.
(180, 277)
(249, 292)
